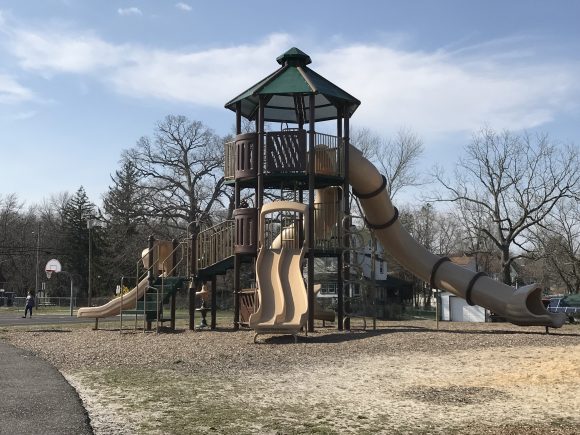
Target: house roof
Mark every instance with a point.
(463, 260)
(287, 90)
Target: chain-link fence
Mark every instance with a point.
(64, 302)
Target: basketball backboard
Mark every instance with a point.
(53, 266)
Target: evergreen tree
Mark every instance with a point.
(77, 210)
(124, 214)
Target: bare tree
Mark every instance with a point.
(396, 157)
(472, 219)
(450, 235)
(558, 243)
(438, 231)
(182, 167)
(507, 184)
(18, 236)
(366, 140)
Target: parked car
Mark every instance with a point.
(6, 298)
(567, 305)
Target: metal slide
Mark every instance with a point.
(522, 306)
(114, 308)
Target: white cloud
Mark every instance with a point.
(210, 77)
(13, 92)
(183, 6)
(54, 51)
(499, 84)
(441, 92)
(433, 93)
(124, 12)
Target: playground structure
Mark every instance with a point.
(310, 174)
(161, 272)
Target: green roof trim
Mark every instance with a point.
(294, 79)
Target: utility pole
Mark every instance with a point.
(37, 255)
(90, 224)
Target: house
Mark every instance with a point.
(371, 288)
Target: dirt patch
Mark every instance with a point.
(454, 395)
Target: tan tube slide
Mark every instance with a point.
(522, 306)
(113, 308)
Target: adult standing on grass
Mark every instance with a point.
(29, 304)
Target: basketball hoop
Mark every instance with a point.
(53, 266)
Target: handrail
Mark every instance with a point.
(355, 246)
(215, 244)
(181, 246)
(138, 280)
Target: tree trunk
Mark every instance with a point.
(505, 266)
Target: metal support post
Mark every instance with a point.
(311, 185)
(213, 302)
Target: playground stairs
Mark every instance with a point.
(215, 250)
(161, 291)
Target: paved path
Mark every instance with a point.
(14, 318)
(35, 398)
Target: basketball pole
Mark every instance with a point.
(90, 225)
(49, 273)
(37, 255)
(71, 294)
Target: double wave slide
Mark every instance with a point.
(282, 298)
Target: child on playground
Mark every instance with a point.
(29, 305)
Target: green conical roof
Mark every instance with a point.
(286, 93)
(295, 56)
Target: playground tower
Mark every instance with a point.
(293, 162)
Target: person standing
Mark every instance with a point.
(29, 305)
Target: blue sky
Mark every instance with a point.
(82, 80)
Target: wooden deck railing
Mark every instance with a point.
(230, 160)
(284, 152)
(329, 155)
(215, 244)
